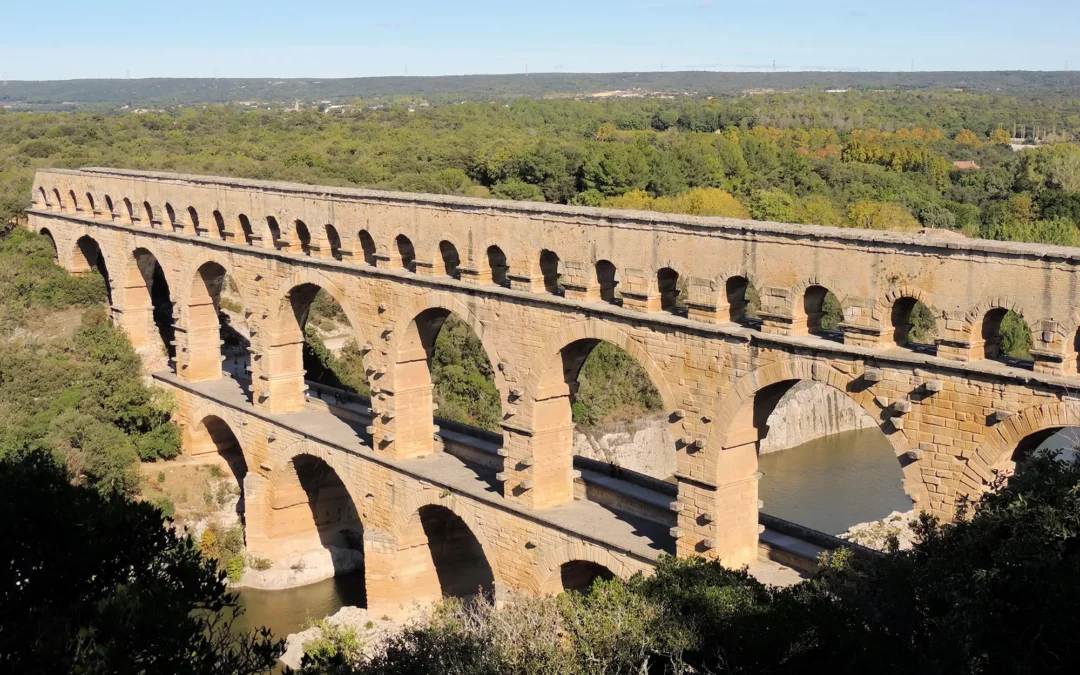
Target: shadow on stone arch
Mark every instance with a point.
(444, 556)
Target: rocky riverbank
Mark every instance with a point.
(369, 630)
(876, 533)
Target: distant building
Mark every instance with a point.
(965, 165)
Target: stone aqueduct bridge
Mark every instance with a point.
(538, 285)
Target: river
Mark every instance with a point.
(289, 610)
(834, 482)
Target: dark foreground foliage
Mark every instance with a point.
(96, 584)
(996, 593)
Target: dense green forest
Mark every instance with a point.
(70, 381)
(453, 89)
(878, 159)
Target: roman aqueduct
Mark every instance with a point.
(540, 285)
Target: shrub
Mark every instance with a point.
(234, 569)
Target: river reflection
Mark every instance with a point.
(834, 482)
(288, 610)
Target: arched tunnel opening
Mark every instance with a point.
(825, 462)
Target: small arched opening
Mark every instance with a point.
(58, 201)
(245, 227)
(443, 557)
(334, 241)
(367, 247)
(451, 261)
(275, 233)
(90, 203)
(73, 200)
(549, 269)
(607, 277)
(43, 198)
(742, 299)
(818, 313)
(219, 225)
(303, 236)
(128, 214)
(913, 325)
(496, 260)
(170, 215)
(670, 290)
(110, 207)
(406, 252)
(148, 214)
(1006, 337)
(193, 219)
(580, 575)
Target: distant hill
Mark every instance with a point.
(187, 91)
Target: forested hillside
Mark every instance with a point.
(456, 88)
(878, 160)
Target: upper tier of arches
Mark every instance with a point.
(815, 306)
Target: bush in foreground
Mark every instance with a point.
(993, 593)
(95, 584)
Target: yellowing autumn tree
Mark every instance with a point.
(638, 200)
(968, 137)
(702, 202)
(694, 202)
(1000, 137)
(871, 215)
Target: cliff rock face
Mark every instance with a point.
(811, 410)
(807, 411)
(644, 445)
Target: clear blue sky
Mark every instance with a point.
(338, 38)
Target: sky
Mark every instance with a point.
(66, 39)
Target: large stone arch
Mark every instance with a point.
(595, 329)
(412, 342)
(748, 385)
(418, 582)
(138, 304)
(446, 301)
(731, 449)
(973, 324)
(208, 435)
(539, 442)
(996, 450)
(198, 305)
(285, 345)
(280, 522)
(549, 567)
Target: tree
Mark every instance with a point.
(774, 205)
(1000, 136)
(873, 215)
(96, 584)
(967, 137)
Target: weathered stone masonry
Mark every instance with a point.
(399, 263)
